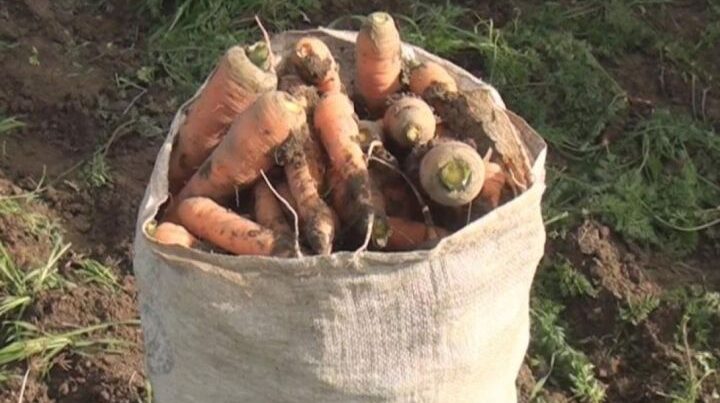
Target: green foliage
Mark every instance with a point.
(572, 368)
(8, 124)
(92, 271)
(635, 312)
(561, 279)
(697, 343)
(18, 286)
(96, 171)
(28, 341)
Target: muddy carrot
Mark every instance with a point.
(316, 65)
(172, 234)
(379, 61)
(348, 177)
(315, 216)
(240, 77)
(269, 210)
(428, 74)
(231, 232)
(247, 149)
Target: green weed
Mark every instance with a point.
(92, 271)
(571, 367)
(27, 341)
(19, 286)
(696, 344)
(635, 312)
(8, 124)
(96, 171)
(561, 279)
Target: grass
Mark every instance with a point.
(92, 271)
(29, 342)
(9, 124)
(19, 286)
(189, 40)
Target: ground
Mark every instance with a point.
(625, 305)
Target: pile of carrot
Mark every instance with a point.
(277, 156)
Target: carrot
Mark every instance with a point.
(268, 210)
(315, 216)
(428, 74)
(284, 190)
(348, 176)
(172, 234)
(316, 160)
(232, 88)
(229, 231)
(378, 59)
(370, 134)
(316, 65)
(246, 150)
(408, 235)
(307, 95)
(399, 200)
(409, 121)
(494, 183)
(452, 173)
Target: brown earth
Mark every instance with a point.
(63, 78)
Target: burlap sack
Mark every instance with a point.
(449, 324)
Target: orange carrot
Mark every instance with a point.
(409, 121)
(229, 231)
(315, 216)
(308, 97)
(316, 64)
(495, 179)
(378, 59)
(348, 177)
(268, 210)
(246, 150)
(231, 89)
(172, 234)
(430, 73)
(408, 235)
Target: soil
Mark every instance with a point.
(62, 76)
